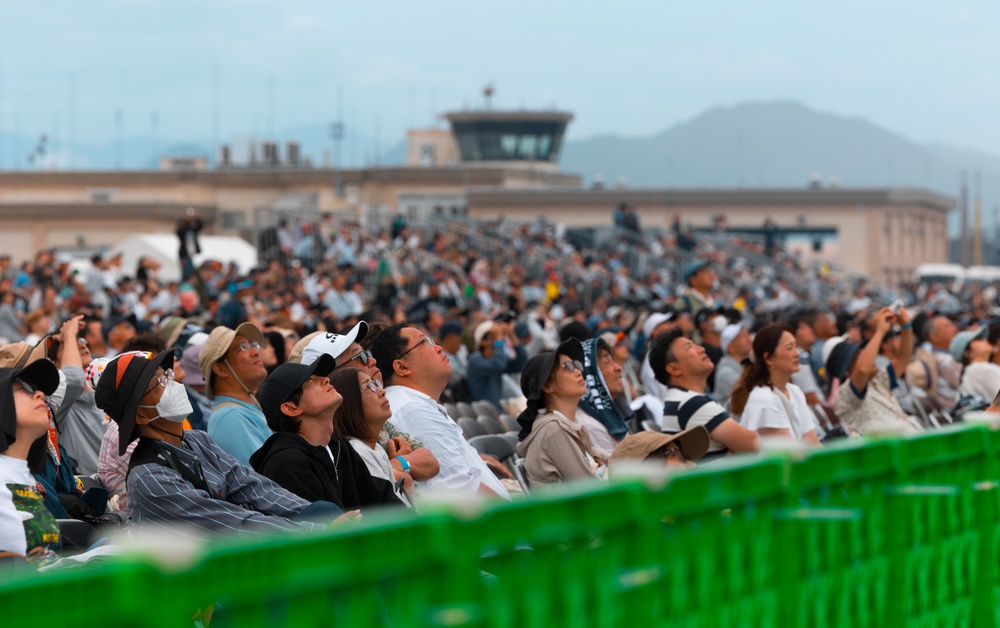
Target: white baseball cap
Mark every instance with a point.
(333, 344)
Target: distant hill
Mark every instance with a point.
(768, 144)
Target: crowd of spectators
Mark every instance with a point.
(317, 387)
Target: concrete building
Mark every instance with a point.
(489, 164)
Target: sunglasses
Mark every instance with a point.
(372, 385)
(572, 366)
(27, 386)
(364, 356)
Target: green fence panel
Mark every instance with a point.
(959, 454)
(568, 557)
(117, 592)
(825, 578)
(934, 549)
(387, 572)
(715, 541)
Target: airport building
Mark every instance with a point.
(487, 164)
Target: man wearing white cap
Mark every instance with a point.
(736, 345)
(656, 324)
(406, 454)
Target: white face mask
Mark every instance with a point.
(174, 404)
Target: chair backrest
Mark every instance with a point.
(485, 407)
(521, 475)
(490, 424)
(465, 409)
(510, 423)
(511, 437)
(471, 427)
(453, 411)
(493, 445)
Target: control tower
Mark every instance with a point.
(509, 136)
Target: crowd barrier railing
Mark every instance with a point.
(870, 532)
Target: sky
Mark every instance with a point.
(926, 70)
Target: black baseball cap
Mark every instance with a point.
(285, 380)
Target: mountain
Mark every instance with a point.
(766, 144)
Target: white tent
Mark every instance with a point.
(164, 247)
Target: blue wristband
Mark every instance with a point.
(404, 463)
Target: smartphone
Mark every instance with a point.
(896, 306)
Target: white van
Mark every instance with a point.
(949, 275)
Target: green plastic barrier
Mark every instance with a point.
(824, 576)
(122, 592)
(879, 532)
(959, 454)
(715, 542)
(387, 572)
(569, 557)
(934, 551)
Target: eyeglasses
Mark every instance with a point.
(673, 450)
(247, 345)
(364, 356)
(166, 376)
(572, 366)
(372, 385)
(427, 339)
(27, 386)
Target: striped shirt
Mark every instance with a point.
(683, 408)
(238, 500)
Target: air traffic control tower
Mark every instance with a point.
(509, 136)
(492, 137)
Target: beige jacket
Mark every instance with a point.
(556, 450)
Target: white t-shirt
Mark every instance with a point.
(12, 472)
(766, 409)
(378, 465)
(981, 379)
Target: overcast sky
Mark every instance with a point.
(625, 68)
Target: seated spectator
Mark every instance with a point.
(231, 365)
(555, 446)
(118, 330)
(80, 423)
(184, 477)
(862, 393)
(980, 376)
(683, 368)
(736, 346)
(765, 398)
(304, 455)
(941, 373)
(679, 450)
(415, 372)
(272, 350)
(655, 325)
(194, 383)
(411, 457)
(360, 419)
(27, 528)
(604, 411)
(498, 351)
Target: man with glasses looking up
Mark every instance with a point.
(406, 454)
(231, 364)
(415, 372)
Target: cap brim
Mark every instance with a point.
(126, 422)
(693, 442)
(42, 373)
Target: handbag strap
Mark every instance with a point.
(787, 405)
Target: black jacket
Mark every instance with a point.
(308, 472)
